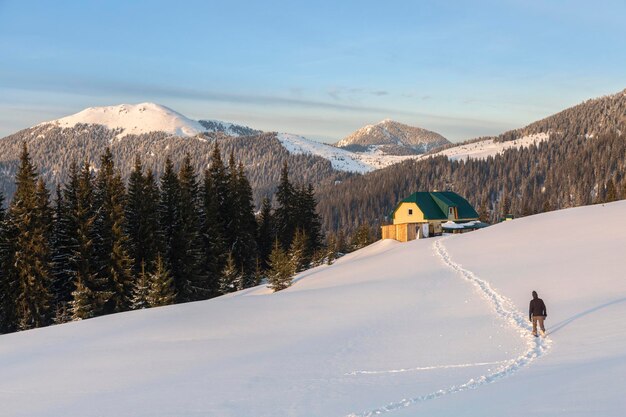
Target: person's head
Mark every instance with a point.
(535, 294)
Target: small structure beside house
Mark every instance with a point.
(422, 214)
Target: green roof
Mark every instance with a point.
(435, 205)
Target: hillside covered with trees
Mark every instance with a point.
(565, 171)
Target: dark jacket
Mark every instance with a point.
(537, 308)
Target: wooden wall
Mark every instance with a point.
(400, 232)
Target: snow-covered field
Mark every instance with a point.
(434, 327)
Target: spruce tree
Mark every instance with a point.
(161, 285)
(61, 279)
(30, 254)
(83, 302)
(362, 237)
(212, 239)
(243, 248)
(308, 220)
(265, 235)
(170, 224)
(8, 285)
(111, 259)
(193, 280)
(231, 278)
(298, 252)
(219, 176)
(141, 218)
(281, 272)
(285, 214)
(80, 214)
(141, 289)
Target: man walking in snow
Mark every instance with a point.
(537, 314)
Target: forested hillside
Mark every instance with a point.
(593, 117)
(53, 149)
(565, 171)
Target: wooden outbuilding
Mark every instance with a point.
(422, 213)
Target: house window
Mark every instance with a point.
(410, 212)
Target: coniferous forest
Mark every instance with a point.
(566, 171)
(98, 245)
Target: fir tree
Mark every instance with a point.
(231, 279)
(8, 287)
(111, 259)
(308, 220)
(170, 223)
(259, 274)
(362, 237)
(193, 281)
(224, 204)
(83, 303)
(30, 261)
(281, 272)
(141, 222)
(284, 214)
(161, 290)
(212, 239)
(265, 235)
(141, 289)
(243, 248)
(61, 286)
(79, 202)
(298, 252)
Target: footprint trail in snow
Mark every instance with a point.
(505, 309)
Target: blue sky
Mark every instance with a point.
(322, 69)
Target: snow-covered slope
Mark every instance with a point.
(435, 327)
(135, 119)
(341, 159)
(393, 136)
(486, 148)
(375, 158)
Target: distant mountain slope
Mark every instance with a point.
(393, 138)
(595, 116)
(137, 119)
(342, 159)
(53, 148)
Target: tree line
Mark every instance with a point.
(103, 246)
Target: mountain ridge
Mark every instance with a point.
(147, 117)
(393, 138)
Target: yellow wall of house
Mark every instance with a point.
(402, 214)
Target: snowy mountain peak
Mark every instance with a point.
(393, 138)
(136, 119)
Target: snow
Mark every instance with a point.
(374, 158)
(136, 119)
(433, 327)
(486, 148)
(341, 159)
